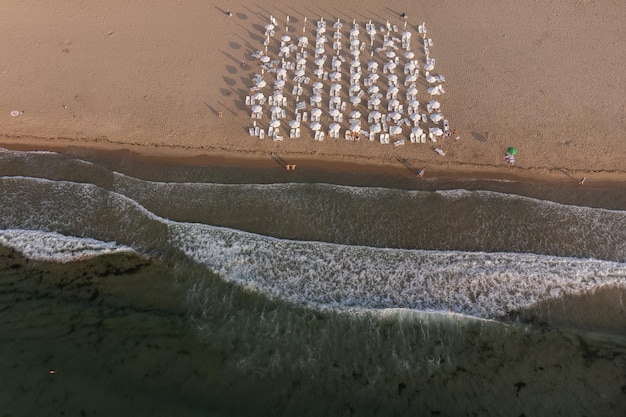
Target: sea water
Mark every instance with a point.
(220, 291)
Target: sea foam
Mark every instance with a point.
(51, 246)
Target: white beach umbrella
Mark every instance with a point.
(373, 89)
(318, 85)
(335, 76)
(434, 104)
(256, 108)
(261, 83)
(417, 131)
(355, 52)
(375, 128)
(321, 29)
(285, 38)
(355, 126)
(316, 126)
(355, 63)
(316, 98)
(355, 114)
(395, 130)
(372, 66)
(275, 123)
(392, 79)
(301, 61)
(316, 112)
(431, 79)
(395, 116)
(258, 96)
(319, 51)
(334, 127)
(411, 78)
(393, 90)
(318, 71)
(279, 85)
(394, 103)
(436, 117)
(335, 101)
(411, 91)
(409, 55)
(319, 61)
(334, 112)
(434, 91)
(388, 44)
(335, 86)
(375, 101)
(391, 65)
(269, 26)
(436, 131)
(429, 66)
(265, 59)
(416, 117)
(390, 54)
(300, 72)
(294, 124)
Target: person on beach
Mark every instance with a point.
(420, 173)
(582, 181)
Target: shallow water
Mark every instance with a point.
(369, 297)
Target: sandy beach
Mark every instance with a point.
(545, 77)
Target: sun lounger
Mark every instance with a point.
(262, 134)
(440, 152)
(398, 142)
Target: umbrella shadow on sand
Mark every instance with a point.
(480, 136)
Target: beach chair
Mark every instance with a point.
(398, 142)
(424, 119)
(262, 134)
(297, 132)
(292, 133)
(247, 100)
(257, 131)
(270, 131)
(304, 116)
(412, 137)
(251, 131)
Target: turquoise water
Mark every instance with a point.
(156, 290)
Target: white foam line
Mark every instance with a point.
(487, 285)
(51, 246)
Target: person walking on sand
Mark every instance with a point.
(582, 181)
(420, 173)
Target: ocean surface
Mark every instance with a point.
(152, 289)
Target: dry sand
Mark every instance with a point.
(546, 77)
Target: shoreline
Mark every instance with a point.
(395, 165)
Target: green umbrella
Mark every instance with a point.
(511, 150)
